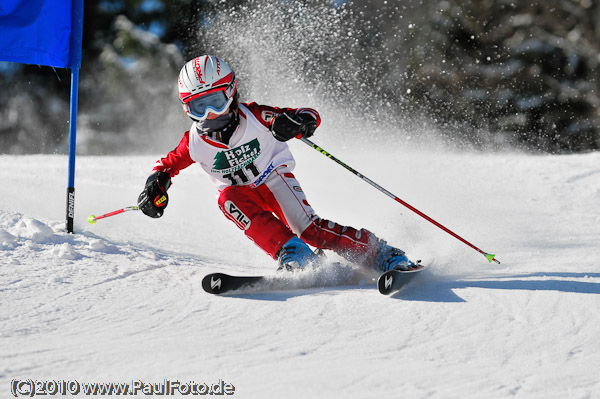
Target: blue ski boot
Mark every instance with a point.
(296, 255)
(390, 258)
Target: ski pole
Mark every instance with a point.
(92, 219)
(489, 257)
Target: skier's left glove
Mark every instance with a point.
(154, 199)
(288, 125)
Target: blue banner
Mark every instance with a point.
(41, 32)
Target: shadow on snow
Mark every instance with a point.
(443, 291)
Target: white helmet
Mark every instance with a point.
(206, 84)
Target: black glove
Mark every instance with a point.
(154, 199)
(288, 125)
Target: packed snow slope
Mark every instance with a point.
(121, 300)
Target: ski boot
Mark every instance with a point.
(296, 255)
(390, 258)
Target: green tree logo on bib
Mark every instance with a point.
(237, 157)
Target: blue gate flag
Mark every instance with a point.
(47, 32)
(41, 32)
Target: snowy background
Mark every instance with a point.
(488, 73)
(122, 300)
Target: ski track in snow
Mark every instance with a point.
(121, 300)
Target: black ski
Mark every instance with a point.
(337, 275)
(220, 283)
(392, 281)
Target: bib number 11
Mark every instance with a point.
(240, 176)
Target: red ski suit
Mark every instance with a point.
(258, 191)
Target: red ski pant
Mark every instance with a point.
(275, 211)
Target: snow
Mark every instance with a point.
(121, 300)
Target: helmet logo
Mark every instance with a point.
(218, 66)
(198, 70)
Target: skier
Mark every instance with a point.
(242, 147)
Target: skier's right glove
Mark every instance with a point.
(288, 125)
(154, 199)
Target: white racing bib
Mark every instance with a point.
(252, 154)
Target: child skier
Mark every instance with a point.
(242, 147)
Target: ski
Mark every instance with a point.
(222, 283)
(394, 280)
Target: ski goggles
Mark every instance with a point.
(213, 101)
